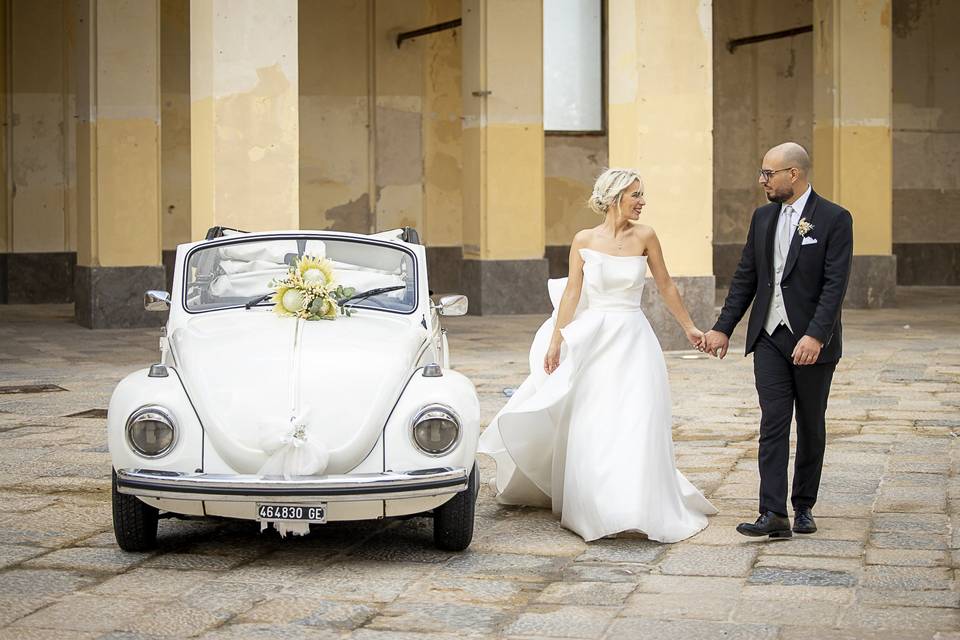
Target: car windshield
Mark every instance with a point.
(230, 274)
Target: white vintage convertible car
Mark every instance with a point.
(241, 396)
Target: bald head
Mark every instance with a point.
(790, 154)
(783, 174)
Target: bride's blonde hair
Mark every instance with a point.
(609, 188)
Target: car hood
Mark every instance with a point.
(251, 375)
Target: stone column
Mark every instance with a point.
(39, 135)
(6, 233)
(442, 226)
(118, 162)
(175, 119)
(660, 117)
(244, 128)
(504, 270)
(852, 139)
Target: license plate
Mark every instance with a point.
(292, 513)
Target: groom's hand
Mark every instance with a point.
(807, 351)
(716, 343)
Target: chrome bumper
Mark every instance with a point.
(390, 485)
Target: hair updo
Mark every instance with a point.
(609, 188)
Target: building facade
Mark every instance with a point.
(132, 126)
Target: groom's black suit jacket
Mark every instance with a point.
(814, 278)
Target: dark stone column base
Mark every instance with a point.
(873, 283)
(697, 293)
(37, 278)
(558, 256)
(928, 263)
(444, 269)
(726, 257)
(169, 260)
(112, 297)
(506, 286)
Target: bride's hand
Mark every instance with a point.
(695, 336)
(552, 360)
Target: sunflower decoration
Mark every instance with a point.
(309, 291)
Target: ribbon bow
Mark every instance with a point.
(293, 451)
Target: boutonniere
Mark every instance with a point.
(804, 227)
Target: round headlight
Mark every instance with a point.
(151, 431)
(436, 430)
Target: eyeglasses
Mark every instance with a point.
(766, 174)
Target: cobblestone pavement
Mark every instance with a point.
(882, 565)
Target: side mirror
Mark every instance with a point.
(453, 305)
(156, 301)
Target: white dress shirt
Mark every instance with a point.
(798, 206)
(777, 312)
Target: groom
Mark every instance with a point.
(794, 269)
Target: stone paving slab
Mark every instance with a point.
(881, 567)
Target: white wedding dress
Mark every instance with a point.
(593, 439)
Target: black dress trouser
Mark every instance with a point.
(781, 386)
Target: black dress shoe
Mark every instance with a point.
(768, 524)
(803, 521)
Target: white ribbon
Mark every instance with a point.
(293, 451)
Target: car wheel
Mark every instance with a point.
(134, 521)
(453, 520)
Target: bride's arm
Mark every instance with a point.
(568, 305)
(668, 290)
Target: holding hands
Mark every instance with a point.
(805, 353)
(695, 336)
(716, 343)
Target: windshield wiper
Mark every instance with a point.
(357, 296)
(257, 300)
(371, 292)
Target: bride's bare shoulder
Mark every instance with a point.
(644, 231)
(584, 237)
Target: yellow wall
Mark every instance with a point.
(399, 102)
(244, 121)
(118, 163)
(442, 131)
(5, 220)
(361, 158)
(503, 144)
(661, 120)
(763, 95)
(571, 165)
(334, 115)
(852, 105)
(41, 128)
(175, 121)
(926, 121)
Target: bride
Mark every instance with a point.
(588, 432)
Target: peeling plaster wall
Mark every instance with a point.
(245, 123)
(361, 169)
(763, 95)
(571, 165)
(175, 122)
(442, 130)
(118, 139)
(399, 91)
(41, 132)
(926, 141)
(5, 220)
(334, 115)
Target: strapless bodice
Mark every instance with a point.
(612, 283)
